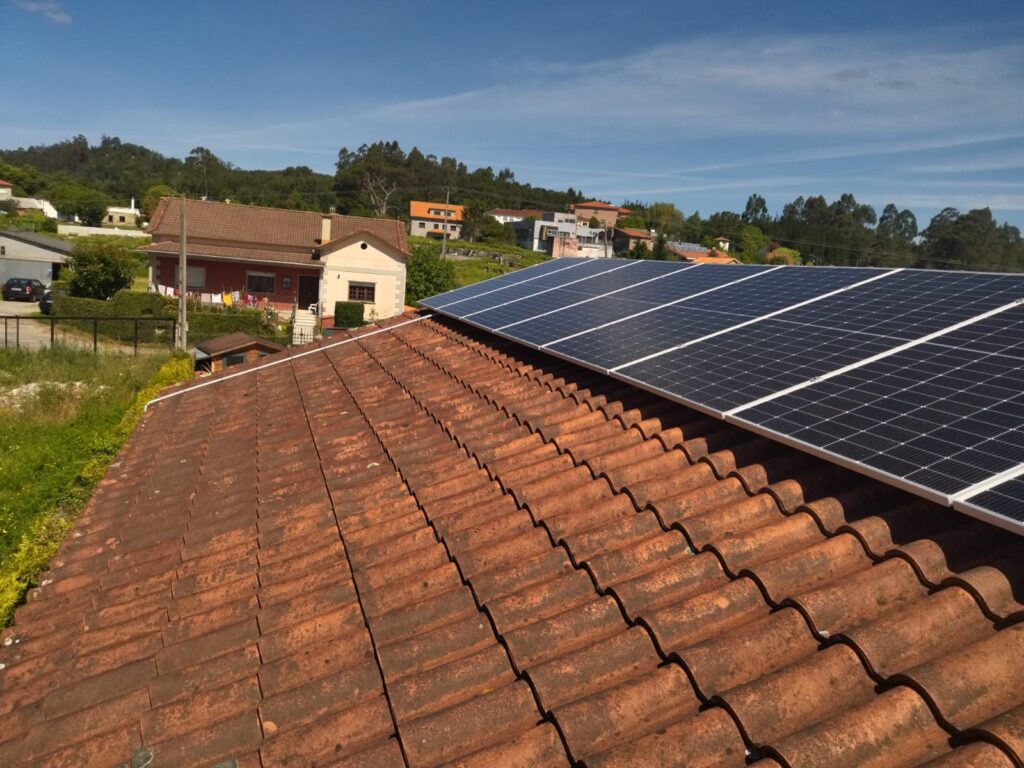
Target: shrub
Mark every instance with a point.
(100, 267)
(427, 274)
(348, 314)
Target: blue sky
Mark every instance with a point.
(699, 103)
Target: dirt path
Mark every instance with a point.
(28, 333)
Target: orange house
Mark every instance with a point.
(435, 219)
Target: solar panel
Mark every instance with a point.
(495, 283)
(822, 336)
(914, 377)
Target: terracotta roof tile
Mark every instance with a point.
(431, 546)
(270, 229)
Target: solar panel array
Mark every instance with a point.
(914, 377)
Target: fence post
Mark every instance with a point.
(95, 330)
(136, 337)
(17, 333)
(53, 321)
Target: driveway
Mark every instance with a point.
(25, 333)
(30, 333)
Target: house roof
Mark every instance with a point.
(597, 205)
(4, 183)
(233, 253)
(425, 545)
(232, 342)
(62, 247)
(526, 213)
(641, 234)
(418, 209)
(269, 228)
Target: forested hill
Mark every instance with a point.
(375, 179)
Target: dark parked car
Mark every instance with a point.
(46, 303)
(23, 289)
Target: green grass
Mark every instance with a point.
(469, 271)
(57, 437)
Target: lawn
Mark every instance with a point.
(64, 413)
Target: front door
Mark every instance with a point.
(309, 290)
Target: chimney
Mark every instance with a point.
(325, 229)
(132, 206)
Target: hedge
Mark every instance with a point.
(204, 322)
(348, 314)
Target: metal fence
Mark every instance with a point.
(122, 333)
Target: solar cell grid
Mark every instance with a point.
(549, 299)
(1006, 500)
(679, 284)
(911, 303)
(940, 416)
(450, 298)
(660, 330)
(754, 361)
(531, 287)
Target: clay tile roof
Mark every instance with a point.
(4, 183)
(643, 234)
(419, 209)
(271, 229)
(232, 342)
(426, 545)
(598, 205)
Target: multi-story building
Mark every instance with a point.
(435, 219)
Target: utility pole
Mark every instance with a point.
(182, 341)
(444, 232)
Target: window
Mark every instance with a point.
(235, 358)
(195, 278)
(259, 282)
(120, 219)
(286, 283)
(423, 224)
(362, 292)
(110, 218)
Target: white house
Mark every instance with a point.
(26, 254)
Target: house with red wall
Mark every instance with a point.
(279, 258)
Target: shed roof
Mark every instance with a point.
(232, 342)
(424, 545)
(62, 247)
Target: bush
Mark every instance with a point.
(100, 267)
(348, 314)
(427, 275)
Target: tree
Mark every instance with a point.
(474, 217)
(753, 243)
(660, 251)
(665, 217)
(152, 198)
(494, 231)
(594, 223)
(639, 251)
(426, 274)
(378, 191)
(756, 212)
(76, 199)
(100, 267)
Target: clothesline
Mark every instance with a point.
(226, 299)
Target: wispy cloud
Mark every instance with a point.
(49, 8)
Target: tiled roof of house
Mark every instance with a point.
(597, 205)
(4, 183)
(419, 209)
(266, 227)
(235, 253)
(429, 546)
(231, 342)
(641, 234)
(526, 213)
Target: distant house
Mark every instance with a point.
(26, 254)
(722, 243)
(122, 217)
(606, 213)
(25, 205)
(230, 350)
(435, 219)
(280, 258)
(626, 239)
(514, 215)
(6, 190)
